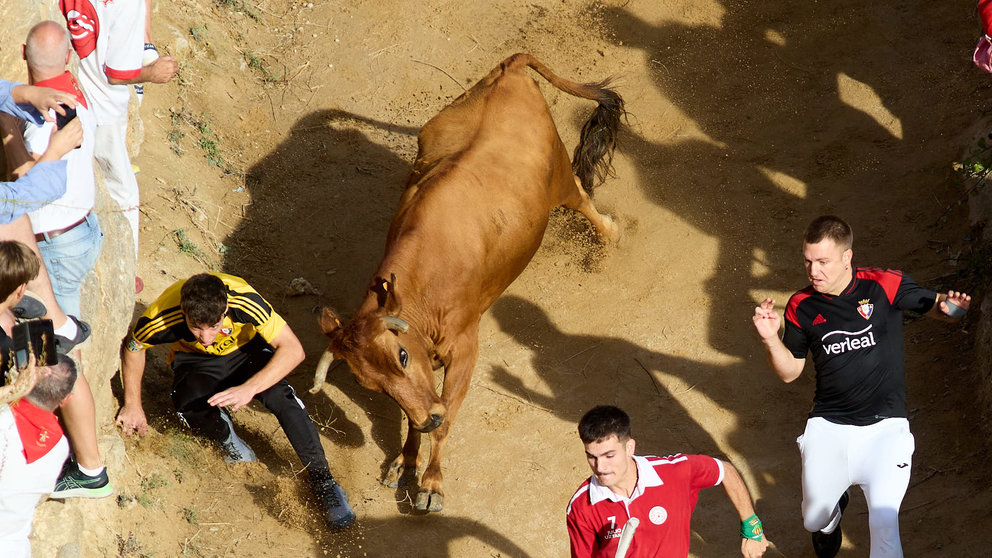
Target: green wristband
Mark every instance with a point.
(751, 528)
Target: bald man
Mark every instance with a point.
(67, 235)
(67, 231)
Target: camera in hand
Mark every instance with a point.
(62, 120)
(38, 336)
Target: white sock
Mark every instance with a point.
(90, 472)
(68, 329)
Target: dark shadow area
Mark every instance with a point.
(422, 537)
(794, 109)
(588, 370)
(321, 203)
(788, 100)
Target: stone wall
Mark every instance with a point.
(84, 527)
(980, 215)
(980, 218)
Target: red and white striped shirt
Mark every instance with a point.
(109, 37)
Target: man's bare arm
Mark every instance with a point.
(740, 497)
(132, 415)
(767, 322)
(159, 71)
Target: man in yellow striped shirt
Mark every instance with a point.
(228, 346)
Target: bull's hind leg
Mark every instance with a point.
(580, 201)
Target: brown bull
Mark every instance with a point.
(490, 168)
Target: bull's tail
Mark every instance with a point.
(592, 161)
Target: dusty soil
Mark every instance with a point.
(281, 150)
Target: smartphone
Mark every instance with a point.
(38, 336)
(61, 120)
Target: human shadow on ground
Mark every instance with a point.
(792, 109)
(320, 205)
(799, 113)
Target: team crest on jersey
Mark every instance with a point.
(658, 515)
(865, 307)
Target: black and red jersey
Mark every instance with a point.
(856, 342)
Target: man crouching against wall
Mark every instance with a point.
(228, 347)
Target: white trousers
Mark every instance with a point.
(878, 458)
(110, 152)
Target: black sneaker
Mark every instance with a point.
(73, 483)
(29, 308)
(63, 345)
(334, 500)
(828, 545)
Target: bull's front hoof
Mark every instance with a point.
(398, 476)
(428, 500)
(610, 232)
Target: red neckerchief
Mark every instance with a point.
(39, 429)
(65, 83)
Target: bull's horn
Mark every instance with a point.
(322, 366)
(396, 324)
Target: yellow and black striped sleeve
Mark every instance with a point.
(246, 306)
(162, 322)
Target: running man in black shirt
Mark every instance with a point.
(850, 319)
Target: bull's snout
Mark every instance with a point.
(433, 423)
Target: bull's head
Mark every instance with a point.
(386, 355)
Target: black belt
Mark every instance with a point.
(40, 237)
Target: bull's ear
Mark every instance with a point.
(329, 321)
(386, 295)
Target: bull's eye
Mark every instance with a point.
(403, 357)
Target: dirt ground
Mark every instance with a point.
(281, 150)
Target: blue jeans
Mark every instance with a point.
(68, 258)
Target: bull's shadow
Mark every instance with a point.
(414, 537)
(583, 371)
(318, 207)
